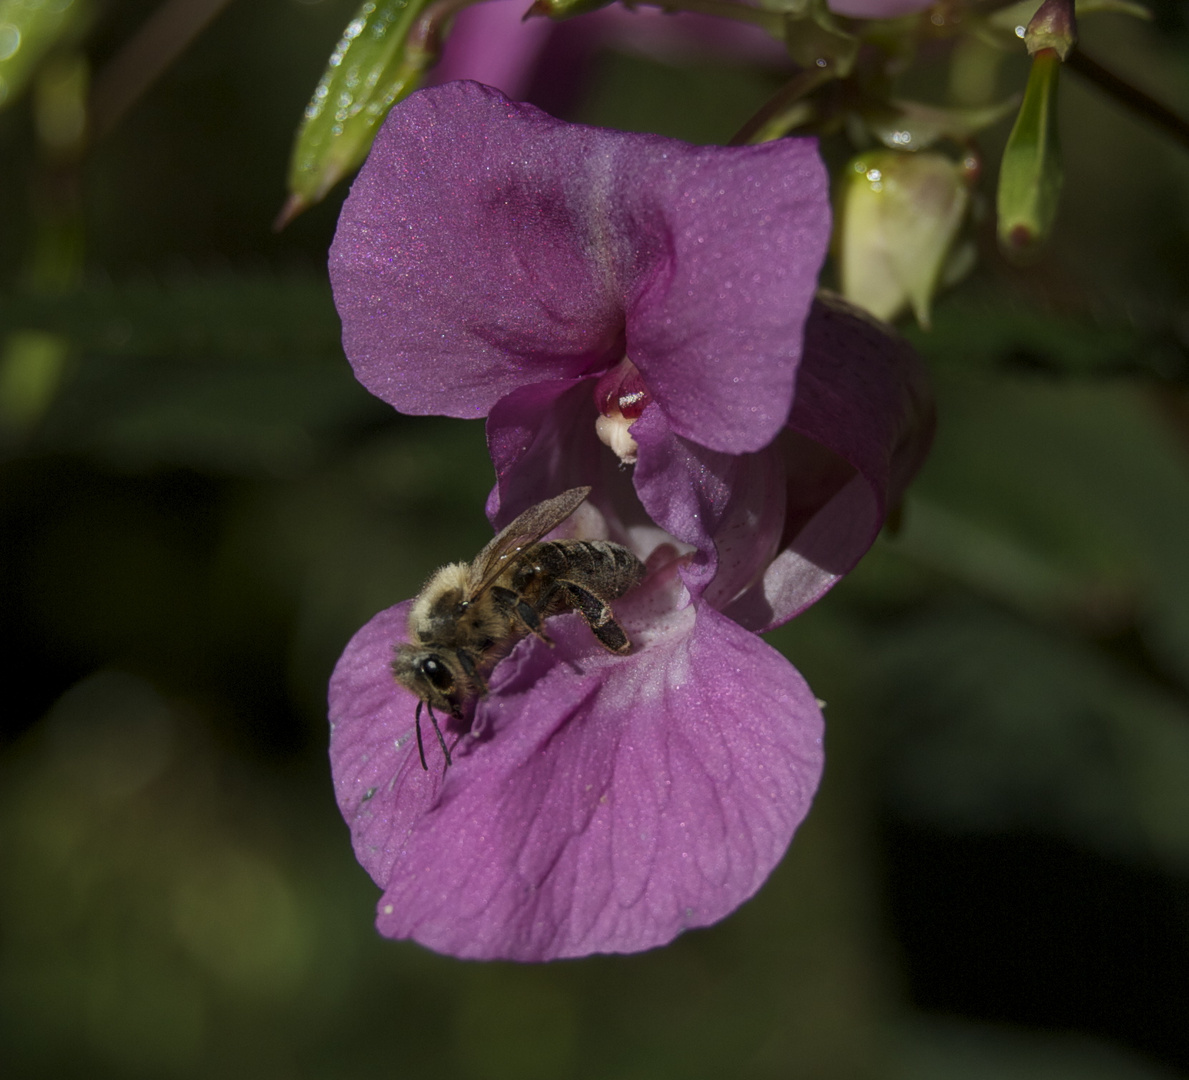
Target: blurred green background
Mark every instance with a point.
(199, 506)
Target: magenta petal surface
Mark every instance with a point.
(609, 805)
(494, 261)
(373, 753)
(486, 245)
(861, 426)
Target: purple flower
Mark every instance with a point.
(494, 43)
(583, 287)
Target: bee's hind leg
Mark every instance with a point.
(599, 617)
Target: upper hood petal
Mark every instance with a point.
(486, 245)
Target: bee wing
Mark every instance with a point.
(527, 529)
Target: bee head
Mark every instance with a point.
(434, 671)
(430, 675)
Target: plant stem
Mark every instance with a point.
(145, 56)
(804, 82)
(1130, 96)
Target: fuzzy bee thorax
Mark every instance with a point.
(448, 613)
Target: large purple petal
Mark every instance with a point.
(486, 246)
(860, 428)
(611, 803)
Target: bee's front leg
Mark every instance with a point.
(472, 673)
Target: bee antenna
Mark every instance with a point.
(438, 732)
(420, 744)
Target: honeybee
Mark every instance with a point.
(469, 615)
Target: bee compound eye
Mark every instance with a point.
(437, 673)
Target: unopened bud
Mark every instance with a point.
(1030, 174)
(899, 215)
(1054, 26)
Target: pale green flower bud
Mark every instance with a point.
(898, 217)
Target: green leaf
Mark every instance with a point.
(1065, 500)
(31, 365)
(973, 330)
(378, 61)
(217, 317)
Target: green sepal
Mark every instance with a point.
(911, 125)
(28, 30)
(1030, 174)
(377, 62)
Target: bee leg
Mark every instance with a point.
(420, 744)
(472, 672)
(598, 616)
(438, 732)
(513, 605)
(531, 618)
(522, 611)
